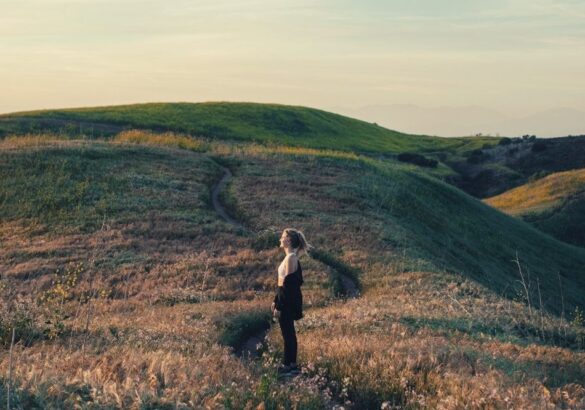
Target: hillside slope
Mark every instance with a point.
(554, 204)
(158, 277)
(386, 206)
(402, 208)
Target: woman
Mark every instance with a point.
(288, 302)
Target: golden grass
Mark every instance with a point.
(543, 194)
(12, 142)
(371, 349)
(169, 139)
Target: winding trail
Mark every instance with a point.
(220, 185)
(251, 348)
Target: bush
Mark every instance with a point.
(538, 146)
(505, 141)
(537, 175)
(340, 268)
(476, 156)
(512, 151)
(19, 314)
(238, 328)
(418, 159)
(25, 328)
(266, 239)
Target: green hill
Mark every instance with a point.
(388, 207)
(554, 204)
(267, 123)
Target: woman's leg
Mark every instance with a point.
(287, 327)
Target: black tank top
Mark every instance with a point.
(289, 298)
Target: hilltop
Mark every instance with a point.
(266, 123)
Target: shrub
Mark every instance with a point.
(266, 239)
(21, 319)
(19, 314)
(52, 301)
(539, 146)
(339, 269)
(238, 328)
(476, 156)
(418, 159)
(537, 175)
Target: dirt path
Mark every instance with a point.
(227, 175)
(251, 347)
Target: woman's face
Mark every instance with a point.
(284, 240)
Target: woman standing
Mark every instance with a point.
(288, 302)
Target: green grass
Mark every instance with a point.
(454, 231)
(238, 328)
(76, 187)
(339, 268)
(266, 123)
(434, 225)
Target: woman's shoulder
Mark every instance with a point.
(292, 260)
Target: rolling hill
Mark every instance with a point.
(554, 204)
(268, 123)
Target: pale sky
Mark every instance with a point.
(517, 57)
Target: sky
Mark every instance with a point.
(511, 61)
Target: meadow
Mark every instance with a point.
(128, 290)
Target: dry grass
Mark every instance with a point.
(419, 341)
(413, 339)
(168, 139)
(541, 195)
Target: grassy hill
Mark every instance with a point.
(554, 204)
(268, 123)
(122, 281)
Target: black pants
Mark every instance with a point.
(287, 327)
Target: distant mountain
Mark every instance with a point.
(470, 120)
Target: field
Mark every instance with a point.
(127, 289)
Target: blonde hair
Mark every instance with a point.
(298, 241)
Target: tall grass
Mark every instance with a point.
(414, 339)
(168, 139)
